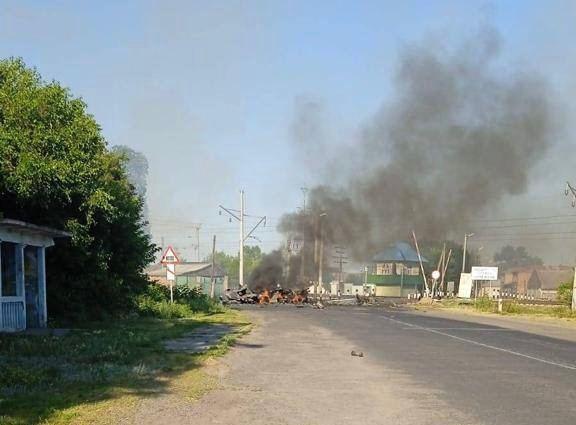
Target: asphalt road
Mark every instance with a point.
(494, 374)
(296, 368)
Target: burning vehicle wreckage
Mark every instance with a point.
(278, 295)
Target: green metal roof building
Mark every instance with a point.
(395, 272)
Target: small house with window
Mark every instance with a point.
(23, 274)
(395, 272)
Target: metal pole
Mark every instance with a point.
(241, 268)
(198, 243)
(321, 257)
(574, 291)
(464, 253)
(212, 279)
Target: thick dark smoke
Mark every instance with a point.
(461, 135)
(269, 272)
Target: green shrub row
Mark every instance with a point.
(155, 302)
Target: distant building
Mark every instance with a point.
(193, 274)
(544, 282)
(540, 282)
(516, 280)
(395, 272)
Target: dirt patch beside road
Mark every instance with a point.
(292, 372)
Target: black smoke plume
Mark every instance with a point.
(462, 133)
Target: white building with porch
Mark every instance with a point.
(23, 274)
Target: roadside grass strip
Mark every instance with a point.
(101, 367)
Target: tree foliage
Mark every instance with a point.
(56, 170)
(564, 293)
(510, 256)
(252, 258)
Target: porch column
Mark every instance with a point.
(1, 324)
(20, 287)
(42, 306)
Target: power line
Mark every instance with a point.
(506, 226)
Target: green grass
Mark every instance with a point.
(48, 379)
(510, 307)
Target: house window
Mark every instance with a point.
(384, 269)
(8, 253)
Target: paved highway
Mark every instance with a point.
(495, 374)
(296, 368)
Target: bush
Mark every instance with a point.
(155, 302)
(148, 307)
(187, 293)
(484, 304)
(565, 293)
(157, 292)
(196, 300)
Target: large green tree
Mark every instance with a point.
(56, 170)
(510, 256)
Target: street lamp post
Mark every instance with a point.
(466, 236)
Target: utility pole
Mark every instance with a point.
(339, 259)
(320, 255)
(241, 272)
(240, 215)
(466, 236)
(197, 228)
(212, 279)
(196, 246)
(574, 291)
(305, 194)
(572, 190)
(288, 257)
(302, 248)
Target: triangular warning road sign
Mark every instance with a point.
(169, 256)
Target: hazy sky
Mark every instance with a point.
(207, 90)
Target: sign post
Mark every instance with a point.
(170, 259)
(435, 277)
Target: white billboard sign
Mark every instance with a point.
(465, 286)
(484, 273)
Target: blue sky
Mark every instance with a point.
(207, 89)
